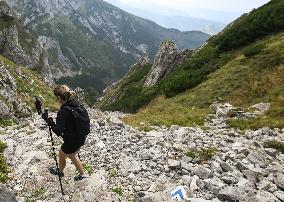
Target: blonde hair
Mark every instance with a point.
(63, 91)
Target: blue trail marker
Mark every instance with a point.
(179, 193)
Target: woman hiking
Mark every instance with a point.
(66, 126)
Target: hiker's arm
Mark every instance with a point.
(60, 126)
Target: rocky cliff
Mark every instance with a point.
(166, 59)
(16, 43)
(18, 87)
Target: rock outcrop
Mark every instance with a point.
(165, 61)
(142, 61)
(15, 42)
(9, 102)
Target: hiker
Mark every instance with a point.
(67, 127)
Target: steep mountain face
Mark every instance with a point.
(18, 87)
(15, 41)
(92, 43)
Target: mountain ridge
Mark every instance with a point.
(98, 41)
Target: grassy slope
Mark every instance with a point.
(28, 85)
(242, 81)
(127, 91)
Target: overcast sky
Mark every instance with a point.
(195, 8)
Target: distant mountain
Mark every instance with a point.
(91, 43)
(180, 22)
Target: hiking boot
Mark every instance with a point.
(54, 171)
(80, 177)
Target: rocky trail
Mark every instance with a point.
(130, 165)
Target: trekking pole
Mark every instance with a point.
(38, 106)
(54, 154)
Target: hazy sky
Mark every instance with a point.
(219, 5)
(222, 10)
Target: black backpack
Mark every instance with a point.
(81, 118)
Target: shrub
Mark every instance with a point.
(248, 28)
(253, 50)
(117, 190)
(88, 168)
(201, 154)
(4, 168)
(113, 173)
(274, 144)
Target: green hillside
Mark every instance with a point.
(128, 94)
(19, 86)
(254, 73)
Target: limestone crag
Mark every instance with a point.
(15, 42)
(145, 166)
(143, 60)
(165, 61)
(10, 102)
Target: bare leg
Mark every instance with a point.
(62, 160)
(76, 161)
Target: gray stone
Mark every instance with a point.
(4, 109)
(186, 179)
(246, 185)
(202, 172)
(273, 188)
(250, 175)
(261, 107)
(226, 167)
(279, 180)
(230, 178)
(214, 185)
(146, 155)
(230, 194)
(271, 152)
(241, 166)
(6, 195)
(215, 167)
(279, 195)
(264, 185)
(267, 131)
(186, 166)
(262, 196)
(256, 158)
(173, 164)
(199, 200)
